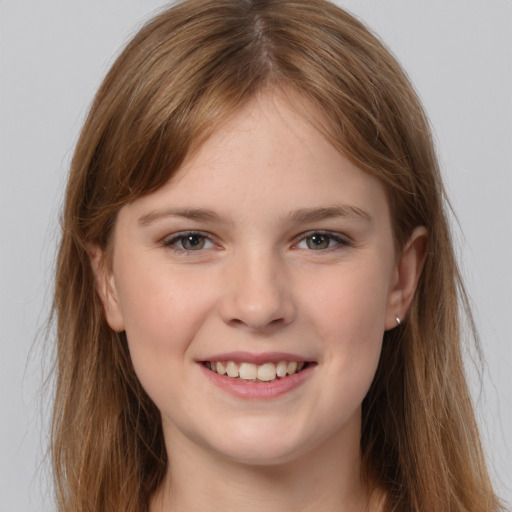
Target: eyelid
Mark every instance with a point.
(340, 239)
(169, 241)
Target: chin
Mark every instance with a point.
(259, 444)
(252, 455)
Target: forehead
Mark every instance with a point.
(267, 159)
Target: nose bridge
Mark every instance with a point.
(258, 296)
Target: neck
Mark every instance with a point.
(327, 479)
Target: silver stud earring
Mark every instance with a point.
(398, 321)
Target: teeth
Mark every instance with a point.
(248, 371)
(292, 367)
(282, 369)
(266, 372)
(220, 368)
(232, 369)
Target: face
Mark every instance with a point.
(268, 256)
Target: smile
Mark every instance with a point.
(261, 376)
(266, 372)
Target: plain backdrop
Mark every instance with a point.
(458, 54)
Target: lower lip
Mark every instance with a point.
(258, 390)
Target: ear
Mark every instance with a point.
(406, 276)
(106, 288)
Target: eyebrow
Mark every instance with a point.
(198, 214)
(303, 215)
(306, 215)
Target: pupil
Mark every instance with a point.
(193, 242)
(318, 242)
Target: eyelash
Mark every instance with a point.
(171, 243)
(339, 241)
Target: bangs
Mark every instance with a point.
(181, 76)
(161, 100)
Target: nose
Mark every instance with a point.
(257, 294)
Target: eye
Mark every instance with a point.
(318, 241)
(189, 242)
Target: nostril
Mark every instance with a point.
(256, 300)
(236, 322)
(257, 324)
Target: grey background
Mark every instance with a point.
(52, 58)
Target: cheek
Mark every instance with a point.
(349, 314)
(162, 311)
(350, 304)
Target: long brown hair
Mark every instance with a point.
(182, 74)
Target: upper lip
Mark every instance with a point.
(258, 359)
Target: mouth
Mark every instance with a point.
(266, 372)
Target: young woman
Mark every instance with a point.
(257, 297)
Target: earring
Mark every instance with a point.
(398, 321)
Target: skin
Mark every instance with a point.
(260, 284)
